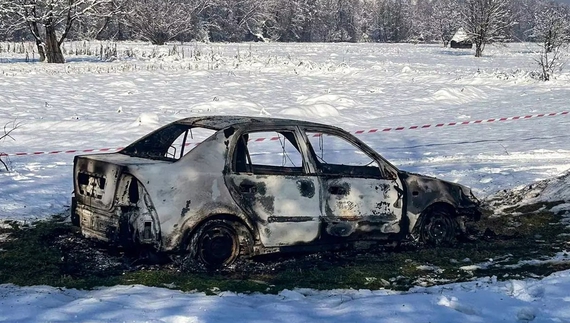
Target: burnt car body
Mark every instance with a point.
(256, 186)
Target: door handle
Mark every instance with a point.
(337, 190)
(248, 188)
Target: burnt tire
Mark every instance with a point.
(438, 227)
(218, 243)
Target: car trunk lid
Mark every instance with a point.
(96, 177)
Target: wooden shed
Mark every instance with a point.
(461, 40)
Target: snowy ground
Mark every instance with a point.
(92, 104)
(486, 300)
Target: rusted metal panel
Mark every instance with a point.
(99, 225)
(362, 197)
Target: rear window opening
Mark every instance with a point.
(169, 143)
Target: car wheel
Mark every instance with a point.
(218, 243)
(438, 228)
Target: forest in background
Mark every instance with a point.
(50, 22)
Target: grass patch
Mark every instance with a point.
(52, 253)
(27, 257)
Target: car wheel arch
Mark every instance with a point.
(244, 238)
(189, 230)
(443, 205)
(431, 211)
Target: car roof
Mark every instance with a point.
(223, 122)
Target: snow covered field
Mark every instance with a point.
(89, 104)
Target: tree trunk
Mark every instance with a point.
(39, 43)
(41, 51)
(53, 51)
(479, 46)
(99, 34)
(478, 50)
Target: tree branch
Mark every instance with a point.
(8, 128)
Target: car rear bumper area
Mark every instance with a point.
(98, 224)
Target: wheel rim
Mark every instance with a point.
(218, 246)
(439, 229)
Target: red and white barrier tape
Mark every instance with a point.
(463, 122)
(357, 132)
(72, 151)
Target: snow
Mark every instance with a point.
(88, 104)
(484, 300)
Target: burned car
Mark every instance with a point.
(221, 187)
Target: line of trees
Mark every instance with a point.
(50, 22)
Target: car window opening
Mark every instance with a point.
(336, 155)
(169, 143)
(321, 147)
(285, 154)
(270, 152)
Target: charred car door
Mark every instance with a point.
(270, 180)
(361, 193)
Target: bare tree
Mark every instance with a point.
(486, 21)
(98, 25)
(49, 21)
(392, 22)
(445, 19)
(349, 21)
(524, 13)
(552, 31)
(237, 20)
(256, 15)
(159, 21)
(8, 128)
(293, 20)
(8, 26)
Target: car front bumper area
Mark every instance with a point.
(473, 213)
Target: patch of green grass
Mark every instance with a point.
(28, 258)
(32, 256)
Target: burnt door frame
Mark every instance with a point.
(285, 205)
(358, 198)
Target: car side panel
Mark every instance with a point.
(185, 192)
(286, 209)
(367, 204)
